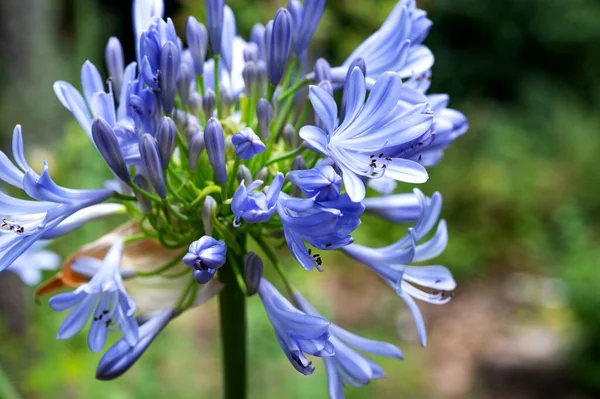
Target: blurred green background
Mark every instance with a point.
(520, 197)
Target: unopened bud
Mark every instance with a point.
(262, 174)
(264, 114)
(106, 141)
(170, 63)
(253, 270)
(151, 161)
(144, 184)
(197, 39)
(289, 135)
(214, 139)
(215, 19)
(115, 63)
(165, 136)
(209, 103)
(195, 102)
(278, 39)
(196, 148)
(209, 210)
(322, 70)
(244, 175)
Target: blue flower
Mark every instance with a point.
(105, 298)
(392, 262)
(398, 208)
(30, 264)
(144, 12)
(297, 332)
(306, 19)
(205, 256)
(122, 355)
(256, 207)
(321, 182)
(363, 144)
(395, 47)
(26, 221)
(247, 143)
(325, 225)
(278, 41)
(348, 366)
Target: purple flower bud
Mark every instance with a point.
(261, 71)
(253, 270)
(191, 130)
(247, 143)
(214, 139)
(144, 184)
(250, 75)
(244, 175)
(115, 63)
(226, 99)
(165, 136)
(205, 256)
(209, 210)
(170, 63)
(214, 19)
(106, 141)
(196, 148)
(209, 103)
(278, 39)
(197, 39)
(257, 36)
(264, 114)
(195, 102)
(289, 135)
(148, 74)
(251, 52)
(152, 164)
(262, 174)
(298, 163)
(322, 70)
(184, 84)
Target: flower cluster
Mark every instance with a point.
(218, 144)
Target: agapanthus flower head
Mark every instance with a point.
(103, 299)
(363, 143)
(201, 140)
(297, 332)
(205, 256)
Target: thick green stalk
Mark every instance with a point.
(232, 304)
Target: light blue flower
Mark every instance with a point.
(205, 256)
(122, 355)
(363, 144)
(306, 18)
(321, 182)
(395, 47)
(397, 208)
(348, 366)
(104, 298)
(325, 225)
(144, 12)
(25, 221)
(297, 332)
(392, 262)
(32, 262)
(256, 206)
(247, 143)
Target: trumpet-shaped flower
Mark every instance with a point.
(396, 46)
(122, 355)
(29, 266)
(348, 366)
(363, 144)
(253, 206)
(325, 225)
(297, 332)
(25, 221)
(104, 298)
(392, 262)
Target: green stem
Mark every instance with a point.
(164, 268)
(287, 155)
(232, 306)
(273, 258)
(217, 59)
(293, 89)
